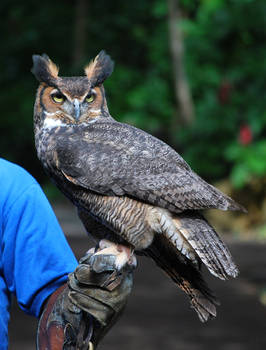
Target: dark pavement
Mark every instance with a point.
(158, 316)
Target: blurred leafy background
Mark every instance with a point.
(191, 72)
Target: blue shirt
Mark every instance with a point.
(35, 258)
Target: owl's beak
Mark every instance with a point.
(76, 109)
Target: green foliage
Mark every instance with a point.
(225, 51)
(225, 59)
(248, 162)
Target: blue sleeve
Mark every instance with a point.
(36, 256)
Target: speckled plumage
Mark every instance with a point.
(128, 186)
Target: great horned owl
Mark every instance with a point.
(128, 186)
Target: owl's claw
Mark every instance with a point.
(112, 260)
(115, 255)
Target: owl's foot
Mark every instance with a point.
(123, 255)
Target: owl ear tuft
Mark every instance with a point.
(44, 69)
(99, 69)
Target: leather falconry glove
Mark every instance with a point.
(78, 314)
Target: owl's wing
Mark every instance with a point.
(118, 159)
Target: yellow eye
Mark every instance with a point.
(90, 98)
(57, 97)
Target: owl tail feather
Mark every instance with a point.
(196, 239)
(204, 240)
(185, 275)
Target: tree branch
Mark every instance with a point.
(182, 91)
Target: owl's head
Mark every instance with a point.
(70, 100)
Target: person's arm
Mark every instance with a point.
(80, 313)
(36, 257)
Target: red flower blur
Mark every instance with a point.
(245, 135)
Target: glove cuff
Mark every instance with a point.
(62, 325)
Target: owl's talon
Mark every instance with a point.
(92, 250)
(104, 243)
(123, 255)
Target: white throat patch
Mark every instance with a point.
(50, 123)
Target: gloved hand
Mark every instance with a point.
(80, 313)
